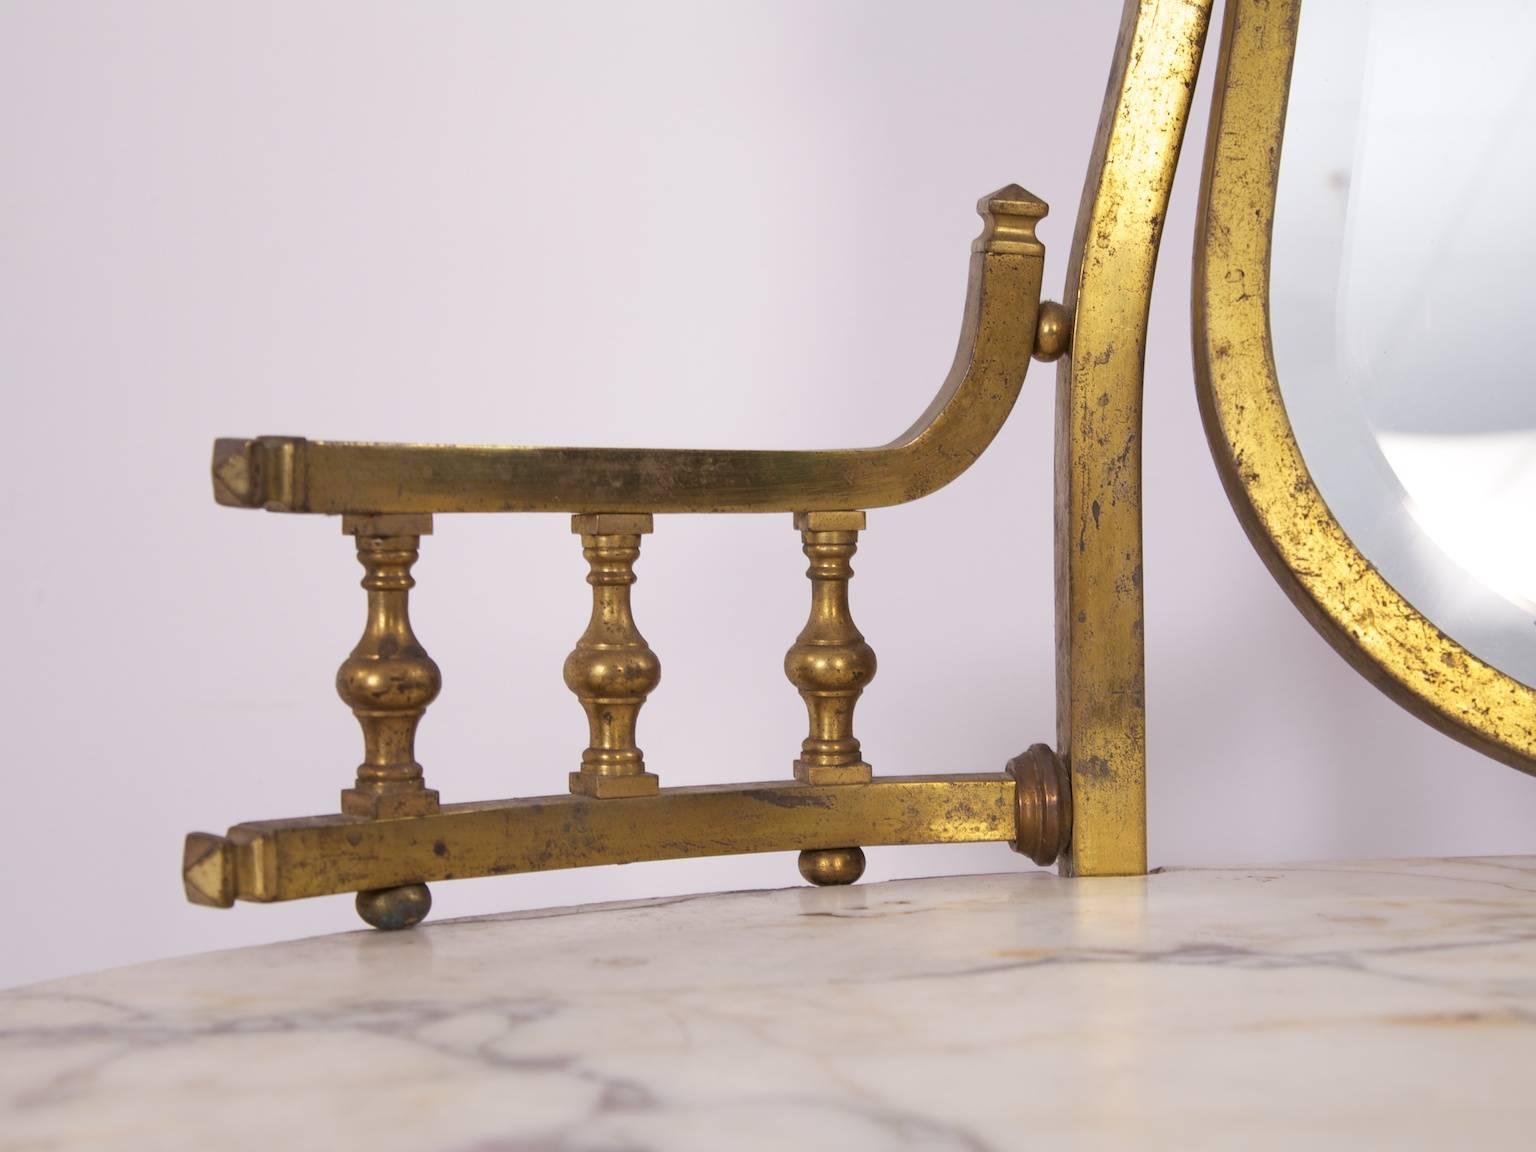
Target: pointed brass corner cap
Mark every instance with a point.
(1011, 214)
(208, 870)
(267, 472)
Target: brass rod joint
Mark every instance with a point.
(1042, 804)
(612, 669)
(389, 679)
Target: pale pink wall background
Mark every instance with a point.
(673, 223)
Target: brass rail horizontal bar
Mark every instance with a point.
(997, 340)
(326, 855)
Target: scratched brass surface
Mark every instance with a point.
(1261, 466)
(288, 474)
(1101, 706)
(323, 855)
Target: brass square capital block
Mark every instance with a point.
(830, 521)
(387, 527)
(613, 523)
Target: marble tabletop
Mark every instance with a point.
(1384, 1004)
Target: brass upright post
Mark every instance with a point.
(389, 679)
(612, 669)
(830, 663)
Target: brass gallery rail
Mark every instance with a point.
(393, 835)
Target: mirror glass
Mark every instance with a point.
(1403, 301)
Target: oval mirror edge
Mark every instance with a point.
(1330, 581)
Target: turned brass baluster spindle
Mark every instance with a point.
(612, 669)
(389, 679)
(830, 663)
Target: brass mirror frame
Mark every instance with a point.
(1326, 576)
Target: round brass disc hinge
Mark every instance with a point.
(1042, 804)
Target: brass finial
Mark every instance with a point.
(612, 669)
(830, 663)
(1009, 217)
(389, 679)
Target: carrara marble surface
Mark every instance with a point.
(1387, 1004)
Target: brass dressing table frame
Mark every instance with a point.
(1081, 804)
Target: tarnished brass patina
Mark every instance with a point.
(612, 669)
(997, 336)
(830, 867)
(1053, 332)
(1100, 654)
(830, 663)
(389, 679)
(1365, 619)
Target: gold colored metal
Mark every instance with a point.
(289, 474)
(392, 909)
(326, 855)
(830, 663)
(389, 679)
(1098, 335)
(1366, 620)
(1053, 335)
(1100, 662)
(830, 867)
(612, 669)
(1043, 803)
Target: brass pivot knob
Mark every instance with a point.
(1042, 805)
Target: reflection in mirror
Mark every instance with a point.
(1403, 305)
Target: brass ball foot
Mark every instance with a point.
(829, 866)
(390, 909)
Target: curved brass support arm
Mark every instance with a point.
(1101, 706)
(289, 474)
